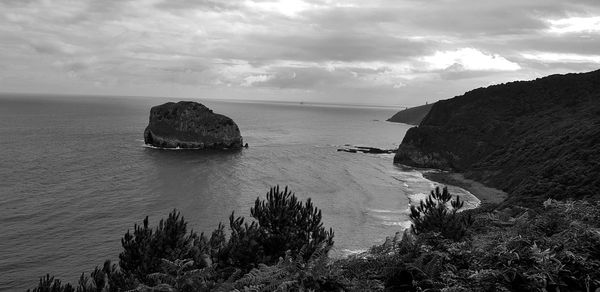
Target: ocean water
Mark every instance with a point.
(75, 176)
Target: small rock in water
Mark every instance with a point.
(363, 149)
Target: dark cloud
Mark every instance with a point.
(494, 17)
(18, 3)
(302, 78)
(47, 48)
(207, 5)
(575, 44)
(322, 47)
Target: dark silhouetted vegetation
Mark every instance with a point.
(553, 247)
(287, 224)
(434, 215)
(146, 248)
(286, 233)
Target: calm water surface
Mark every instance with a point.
(75, 175)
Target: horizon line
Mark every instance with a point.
(236, 100)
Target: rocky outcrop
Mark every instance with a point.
(534, 139)
(411, 116)
(364, 149)
(190, 125)
(413, 156)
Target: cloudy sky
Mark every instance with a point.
(389, 52)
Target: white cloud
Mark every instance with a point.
(250, 80)
(469, 59)
(285, 7)
(575, 25)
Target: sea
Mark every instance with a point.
(75, 175)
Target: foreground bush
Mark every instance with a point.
(145, 248)
(434, 215)
(283, 223)
(287, 224)
(171, 258)
(555, 247)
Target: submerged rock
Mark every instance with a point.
(190, 125)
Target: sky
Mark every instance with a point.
(378, 52)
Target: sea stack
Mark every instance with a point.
(190, 125)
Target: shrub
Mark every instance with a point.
(293, 273)
(169, 257)
(106, 279)
(245, 249)
(287, 224)
(180, 275)
(144, 249)
(434, 215)
(50, 284)
(283, 223)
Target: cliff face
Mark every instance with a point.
(411, 116)
(533, 139)
(190, 125)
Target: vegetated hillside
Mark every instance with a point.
(411, 116)
(534, 139)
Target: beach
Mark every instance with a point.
(485, 194)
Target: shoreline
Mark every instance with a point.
(485, 194)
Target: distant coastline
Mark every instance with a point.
(411, 116)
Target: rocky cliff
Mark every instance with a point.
(411, 116)
(534, 139)
(190, 125)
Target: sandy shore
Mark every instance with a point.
(483, 193)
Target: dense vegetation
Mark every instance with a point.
(553, 247)
(411, 116)
(534, 139)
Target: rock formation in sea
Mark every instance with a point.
(364, 149)
(190, 125)
(534, 139)
(411, 116)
